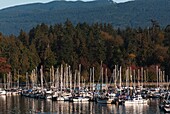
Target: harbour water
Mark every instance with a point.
(25, 105)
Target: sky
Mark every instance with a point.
(9, 3)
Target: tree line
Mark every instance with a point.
(87, 45)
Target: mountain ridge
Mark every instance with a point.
(136, 13)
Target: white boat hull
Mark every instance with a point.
(136, 102)
(80, 99)
(167, 108)
(3, 93)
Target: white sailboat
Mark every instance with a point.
(105, 98)
(2, 91)
(165, 105)
(167, 108)
(42, 95)
(58, 95)
(136, 100)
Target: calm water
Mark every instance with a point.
(24, 105)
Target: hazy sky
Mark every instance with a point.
(8, 3)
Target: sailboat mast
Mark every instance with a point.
(101, 75)
(157, 75)
(18, 79)
(61, 77)
(115, 75)
(5, 82)
(90, 78)
(53, 75)
(36, 80)
(126, 73)
(106, 79)
(102, 79)
(134, 75)
(120, 77)
(145, 78)
(75, 79)
(26, 77)
(93, 78)
(142, 76)
(50, 84)
(41, 74)
(138, 78)
(79, 76)
(66, 76)
(70, 77)
(56, 79)
(71, 81)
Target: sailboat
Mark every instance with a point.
(57, 96)
(42, 94)
(136, 100)
(2, 91)
(165, 105)
(105, 98)
(81, 97)
(167, 108)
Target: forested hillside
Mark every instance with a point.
(134, 14)
(87, 45)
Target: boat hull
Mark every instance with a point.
(136, 102)
(80, 99)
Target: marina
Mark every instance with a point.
(34, 101)
(68, 93)
(85, 57)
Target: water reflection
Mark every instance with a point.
(24, 105)
(137, 108)
(3, 102)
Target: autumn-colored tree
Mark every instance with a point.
(4, 66)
